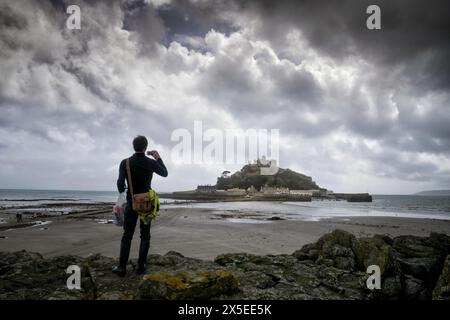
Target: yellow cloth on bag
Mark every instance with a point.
(154, 213)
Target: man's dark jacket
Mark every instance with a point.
(142, 169)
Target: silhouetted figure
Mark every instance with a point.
(142, 169)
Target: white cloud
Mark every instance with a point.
(71, 102)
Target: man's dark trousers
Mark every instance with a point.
(130, 219)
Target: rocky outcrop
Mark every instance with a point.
(354, 197)
(332, 268)
(442, 288)
(421, 260)
(409, 265)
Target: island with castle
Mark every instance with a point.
(251, 184)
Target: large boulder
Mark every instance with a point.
(188, 286)
(339, 237)
(375, 251)
(439, 241)
(422, 257)
(307, 252)
(378, 251)
(391, 288)
(442, 289)
(415, 289)
(332, 249)
(102, 284)
(27, 275)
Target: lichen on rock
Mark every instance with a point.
(188, 286)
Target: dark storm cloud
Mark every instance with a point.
(251, 82)
(182, 17)
(10, 19)
(408, 61)
(412, 31)
(142, 17)
(339, 27)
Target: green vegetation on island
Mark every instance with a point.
(250, 175)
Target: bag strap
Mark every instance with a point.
(130, 187)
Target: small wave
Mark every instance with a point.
(40, 223)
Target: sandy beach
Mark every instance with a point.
(200, 233)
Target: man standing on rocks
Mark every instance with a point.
(142, 169)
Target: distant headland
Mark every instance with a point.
(249, 184)
(433, 193)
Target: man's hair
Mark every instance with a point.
(140, 143)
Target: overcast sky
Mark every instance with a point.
(358, 110)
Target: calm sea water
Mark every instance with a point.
(433, 207)
(426, 207)
(10, 198)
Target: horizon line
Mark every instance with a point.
(84, 190)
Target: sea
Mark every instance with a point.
(405, 206)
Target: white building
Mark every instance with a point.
(274, 190)
(311, 193)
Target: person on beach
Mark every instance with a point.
(142, 169)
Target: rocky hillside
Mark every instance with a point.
(332, 268)
(250, 175)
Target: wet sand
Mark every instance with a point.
(201, 233)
